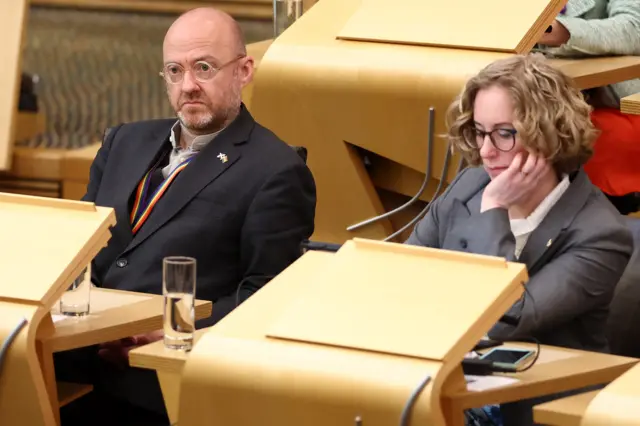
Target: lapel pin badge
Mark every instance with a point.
(223, 157)
(549, 243)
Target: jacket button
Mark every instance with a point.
(121, 263)
(463, 243)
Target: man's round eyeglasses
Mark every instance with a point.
(502, 139)
(202, 71)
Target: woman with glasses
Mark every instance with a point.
(525, 130)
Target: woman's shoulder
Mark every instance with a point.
(598, 221)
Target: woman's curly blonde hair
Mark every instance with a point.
(551, 115)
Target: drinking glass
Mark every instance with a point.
(75, 302)
(179, 291)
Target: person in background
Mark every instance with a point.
(228, 192)
(525, 130)
(587, 28)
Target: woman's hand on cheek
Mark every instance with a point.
(516, 183)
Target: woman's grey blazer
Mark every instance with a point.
(574, 258)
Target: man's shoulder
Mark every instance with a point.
(264, 140)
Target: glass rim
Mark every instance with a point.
(178, 260)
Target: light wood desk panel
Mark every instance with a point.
(340, 98)
(630, 104)
(114, 315)
(556, 370)
(597, 72)
(565, 411)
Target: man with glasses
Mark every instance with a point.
(213, 185)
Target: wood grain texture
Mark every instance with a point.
(459, 24)
(630, 104)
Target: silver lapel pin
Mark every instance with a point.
(223, 157)
(549, 243)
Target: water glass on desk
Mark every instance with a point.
(75, 301)
(179, 290)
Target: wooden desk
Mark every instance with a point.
(565, 411)
(630, 104)
(114, 315)
(556, 370)
(587, 72)
(168, 365)
(340, 98)
(596, 72)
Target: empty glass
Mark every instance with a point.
(76, 300)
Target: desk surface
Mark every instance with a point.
(155, 356)
(115, 314)
(557, 370)
(565, 411)
(601, 71)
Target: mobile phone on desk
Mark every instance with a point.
(507, 357)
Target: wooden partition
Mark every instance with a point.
(351, 83)
(62, 236)
(315, 359)
(13, 14)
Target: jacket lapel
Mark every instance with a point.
(216, 158)
(466, 203)
(548, 236)
(136, 167)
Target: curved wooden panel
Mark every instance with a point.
(23, 395)
(331, 387)
(334, 96)
(617, 404)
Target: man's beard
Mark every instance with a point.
(202, 122)
(212, 121)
